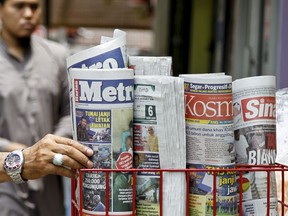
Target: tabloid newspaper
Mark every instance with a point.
(209, 133)
(111, 53)
(254, 111)
(101, 97)
(103, 110)
(159, 142)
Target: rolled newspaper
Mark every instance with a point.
(209, 133)
(254, 111)
(102, 118)
(159, 142)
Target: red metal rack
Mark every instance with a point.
(77, 209)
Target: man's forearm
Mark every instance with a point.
(3, 176)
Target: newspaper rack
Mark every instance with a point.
(77, 210)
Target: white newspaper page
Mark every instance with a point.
(151, 65)
(103, 111)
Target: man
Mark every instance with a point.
(82, 134)
(258, 140)
(34, 101)
(99, 206)
(242, 147)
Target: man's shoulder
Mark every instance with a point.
(54, 47)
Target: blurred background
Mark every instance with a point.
(239, 37)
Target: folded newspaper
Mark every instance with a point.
(254, 111)
(159, 142)
(111, 53)
(101, 93)
(103, 111)
(209, 132)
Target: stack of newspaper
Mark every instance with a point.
(282, 140)
(254, 111)
(159, 142)
(209, 132)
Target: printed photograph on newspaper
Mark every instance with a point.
(94, 191)
(256, 144)
(147, 195)
(93, 125)
(203, 205)
(202, 188)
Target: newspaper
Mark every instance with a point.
(282, 139)
(281, 125)
(209, 119)
(201, 190)
(103, 110)
(151, 65)
(254, 111)
(110, 53)
(159, 142)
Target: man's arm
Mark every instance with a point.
(38, 159)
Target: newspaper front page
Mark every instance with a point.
(254, 111)
(209, 119)
(103, 110)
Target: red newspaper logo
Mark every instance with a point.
(76, 90)
(209, 107)
(258, 108)
(124, 161)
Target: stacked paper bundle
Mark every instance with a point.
(159, 142)
(281, 125)
(151, 65)
(209, 132)
(255, 139)
(282, 140)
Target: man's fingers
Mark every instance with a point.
(73, 164)
(62, 171)
(72, 156)
(69, 142)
